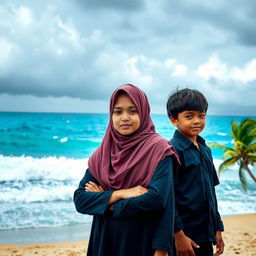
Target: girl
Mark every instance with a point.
(128, 187)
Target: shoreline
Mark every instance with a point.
(45, 235)
(59, 234)
(239, 237)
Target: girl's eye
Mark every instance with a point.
(117, 112)
(134, 111)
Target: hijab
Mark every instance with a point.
(125, 161)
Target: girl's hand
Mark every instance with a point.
(133, 192)
(93, 187)
(127, 193)
(160, 253)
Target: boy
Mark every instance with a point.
(197, 222)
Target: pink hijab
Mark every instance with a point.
(127, 161)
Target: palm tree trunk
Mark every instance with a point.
(250, 172)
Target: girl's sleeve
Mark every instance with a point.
(163, 237)
(93, 203)
(155, 199)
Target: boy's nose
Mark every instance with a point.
(196, 120)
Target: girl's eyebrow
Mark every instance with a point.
(117, 107)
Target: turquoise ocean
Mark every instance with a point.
(43, 156)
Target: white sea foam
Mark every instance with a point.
(222, 134)
(233, 208)
(38, 193)
(56, 168)
(63, 139)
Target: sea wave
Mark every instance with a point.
(38, 192)
(30, 168)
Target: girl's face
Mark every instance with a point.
(125, 118)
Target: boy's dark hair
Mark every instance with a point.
(186, 99)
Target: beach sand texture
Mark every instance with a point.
(239, 237)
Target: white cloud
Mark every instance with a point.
(246, 74)
(179, 70)
(214, 68)
(24, 14)
(217, 69)
(169, 63)
(7, 52)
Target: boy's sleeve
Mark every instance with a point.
(156, 197)
(93, 203)
(178, 225)
(215, 176)
(219, 223)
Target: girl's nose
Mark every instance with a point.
(125, 116)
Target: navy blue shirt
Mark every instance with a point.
(194, 184)
(136, 226)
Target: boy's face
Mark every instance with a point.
(190, 123)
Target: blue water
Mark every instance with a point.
(44, 155)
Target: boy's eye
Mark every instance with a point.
(188, 116)
(202, 115)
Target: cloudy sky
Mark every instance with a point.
(68, 56)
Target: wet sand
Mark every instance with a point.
(239, 237)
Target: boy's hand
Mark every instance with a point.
(93, 187)
(184, 245)
(220, 244)
(160, 253)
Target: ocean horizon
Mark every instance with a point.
(43, 156)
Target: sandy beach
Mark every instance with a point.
(239, 236)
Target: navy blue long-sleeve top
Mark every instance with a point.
(135, 226)
(194, 183)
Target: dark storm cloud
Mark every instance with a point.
(125, 5)
(85, 49)
(237, 18)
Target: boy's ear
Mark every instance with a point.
(174, 121)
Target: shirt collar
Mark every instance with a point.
(185, 142)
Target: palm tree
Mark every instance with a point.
(243, 151)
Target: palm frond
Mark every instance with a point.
(244, 131)
(234, 130)
(251, 148)
(230, 153)
(252, 133)
(227, 163)
(220, 146)
(251, 158)
(240, 146)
